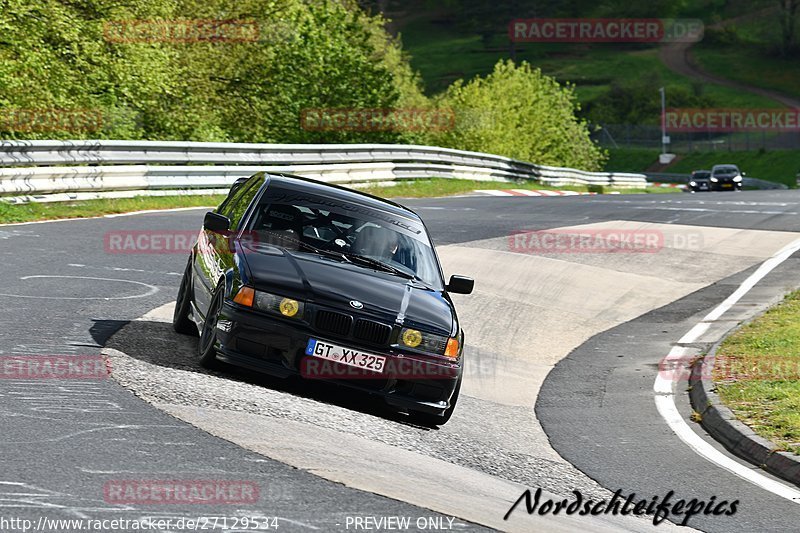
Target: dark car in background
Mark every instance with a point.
(726, 178)
(720, 178)
(700, 181)
(291, 276)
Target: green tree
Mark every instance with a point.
(57, 54)
(518, 112)
(640, 103)
(787, 18)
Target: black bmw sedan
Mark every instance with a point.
(291, 276)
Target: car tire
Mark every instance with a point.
(181, 322)
(206, 346)
(431, 420)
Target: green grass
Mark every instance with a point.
(752, 59)
(663, 190)
(423, 188)
(10, 213)
(757, 374)
(778, 166)
(748, 63)
(630, 159)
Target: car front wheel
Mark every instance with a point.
(207, 346)
(181, 322)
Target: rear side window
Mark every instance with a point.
(235, 206)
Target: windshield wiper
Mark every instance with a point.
(385, 267)
(329, 253)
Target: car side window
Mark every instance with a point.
(235, 188)
(235, 207)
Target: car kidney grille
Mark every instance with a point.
(375, 332)
(336, 323)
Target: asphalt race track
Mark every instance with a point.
(563, 351)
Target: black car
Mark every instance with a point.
(726, 178)
(700, 181)
(291, 276)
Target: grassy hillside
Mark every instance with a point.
(779, 166)
(630, 160)
(747, 49)
(762, 69)
(744, 50)
(442, 54)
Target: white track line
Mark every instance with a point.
(665, 396)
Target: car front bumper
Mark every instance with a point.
(277, 347)
(726, 186)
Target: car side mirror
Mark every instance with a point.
(460, 285)
(744, 173)
(216, 222)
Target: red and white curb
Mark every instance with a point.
(670, 185)
(526, 192)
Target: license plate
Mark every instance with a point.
(345, 356)
(728, 185)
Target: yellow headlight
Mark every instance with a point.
(412, 338)
(289, 307)
(452, 349)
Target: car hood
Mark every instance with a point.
(726, 175)
(330, 282)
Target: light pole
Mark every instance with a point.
(664, 158)
(663, 121)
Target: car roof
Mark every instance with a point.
(724, 165)
(343, 194)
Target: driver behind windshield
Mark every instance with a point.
(312, 225)
(376, 243)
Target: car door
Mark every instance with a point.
(214, 255)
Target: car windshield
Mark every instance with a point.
(726, 170)
(303, 223)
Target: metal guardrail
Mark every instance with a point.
(38, 170)
(667, 177)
